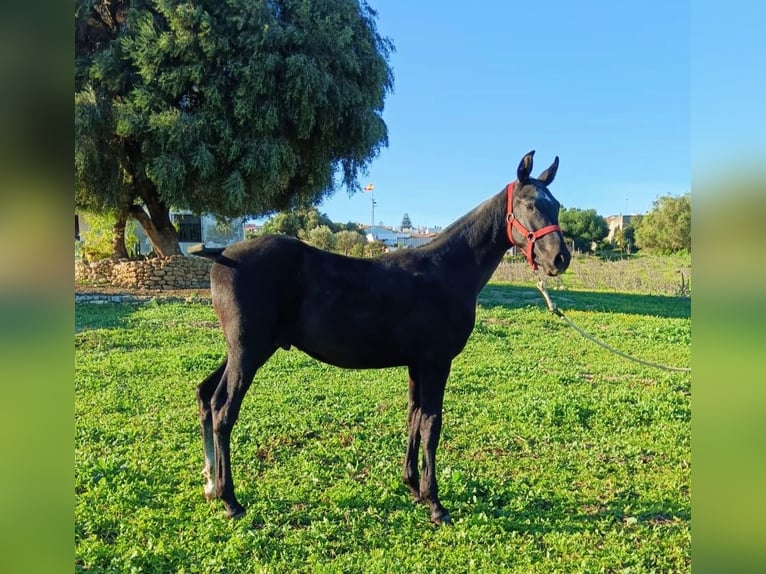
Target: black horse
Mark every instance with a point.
(413, 308)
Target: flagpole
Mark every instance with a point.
(371, 188)
(372, 200)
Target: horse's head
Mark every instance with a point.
(533, 218)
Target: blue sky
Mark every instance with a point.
(604, 85)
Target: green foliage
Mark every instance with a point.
(101, 182)
(296, 221)
(556, 456)
(346, 241)
(131, 238)
(321, 237)
(233, 108)
(667, 228)
(375, 248)
(314, 227)
(285, 223)
(625, 238)
(96, 240)
(583, 226)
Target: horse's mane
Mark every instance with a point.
(467, 229)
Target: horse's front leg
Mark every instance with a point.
(411, 476)
(205, 392)
(432, 385)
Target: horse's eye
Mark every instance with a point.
(530, 206)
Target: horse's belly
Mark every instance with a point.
(354, 354)
(357, 361)
(356, 342)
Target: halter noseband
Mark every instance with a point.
(531, 236)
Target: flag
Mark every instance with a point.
(368, 187)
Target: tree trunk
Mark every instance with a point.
(119, 250)
(156, 223)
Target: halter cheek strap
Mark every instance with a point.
(531, 236)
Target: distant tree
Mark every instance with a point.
(312, 218)
(321, 237)
(295, 221)
(346, 240)
(406, 223)
(667, 228)
(625, 238)
(359, 250)
(284, 223)
(583, 227)
(348, 226)
(235, 108)
(374, 248)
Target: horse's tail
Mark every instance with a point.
(208, 252)
(214, 253)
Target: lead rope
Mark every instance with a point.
(555, 310)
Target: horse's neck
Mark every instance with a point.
(470, 250)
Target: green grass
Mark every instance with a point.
(556, 456)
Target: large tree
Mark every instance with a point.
(583, 226)
(236, 107)
(667, 228)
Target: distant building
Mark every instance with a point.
(397, 239)
(616, 223)
(385, 235)
(251, 228)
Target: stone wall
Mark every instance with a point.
(177, 272)
(102, 298)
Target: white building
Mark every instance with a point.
(385, 235)
(397, 239)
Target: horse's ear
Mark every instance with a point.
(525, 168)
(547, 176)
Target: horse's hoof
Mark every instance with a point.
(209, 492)
(443, 519)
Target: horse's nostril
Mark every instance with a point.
(560, 261)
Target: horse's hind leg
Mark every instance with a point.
(410, 476)
(205, 392)
(241, 366)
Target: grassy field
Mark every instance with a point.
(556, 456)
(641, 273)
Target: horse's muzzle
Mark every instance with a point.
(558, 263)
(561, 262)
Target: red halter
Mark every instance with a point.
(531, 236)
